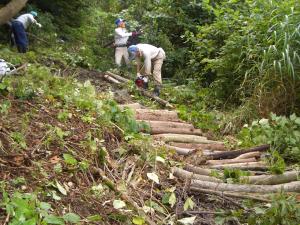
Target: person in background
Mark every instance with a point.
(120, 44)
(19, 27)
(151, 55)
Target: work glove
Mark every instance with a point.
(39, 25)
(138, 75)
(136, 33)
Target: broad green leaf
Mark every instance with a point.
(153, 177)
(160, 159)
(55, 196)
(51, 219)
(172, 199)
(61, 188)
(71, 218)
(189, 204)
(138, 220)
(69, 159)
(187, 220)
(94, 218)
(45, 206)
(119, 204)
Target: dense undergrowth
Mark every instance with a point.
(232, 63)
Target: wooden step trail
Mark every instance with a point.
(183, 138)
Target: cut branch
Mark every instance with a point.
(159, 100)
(198, 170)
(228, 194)
(235, 153)
(186, 175)
(230, 161)
(243, 166)
(117, 77)
(249, 155)
(272, 179)
(289, 187)
(111, 79)
(181, 151)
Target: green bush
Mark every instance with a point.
(282, 133)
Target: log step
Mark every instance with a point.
(183, 138)
(132, 106)
(161, 127)
(212, 147)
(157, 115)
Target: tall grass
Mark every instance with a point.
(252, 50)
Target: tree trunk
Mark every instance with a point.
(212, 147)
(160, 115)
(289, 187)
(272, 179)
(235, 153)
(229, 161)
(185, 175)
(10, 10)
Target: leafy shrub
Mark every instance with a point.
(282, 133)
(283, 210)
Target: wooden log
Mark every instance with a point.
(242, 166)
(163, 130)
(288, 187)
(182, 138)
(132, 106)
(235, 153)
(229, 161)
(272, 179)
(117, 77)
(249, 155)
(186, 175)
(181, 151)
(160, 115)
(198, 170)
(111, 79)
(159, 100)
(229, 194)
(168, 124)
(212, 147)
(11, 9)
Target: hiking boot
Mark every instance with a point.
(156, 91)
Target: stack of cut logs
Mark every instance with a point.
(167, 128)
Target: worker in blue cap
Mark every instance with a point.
(19, 27)
(153, 57)
(121, 38)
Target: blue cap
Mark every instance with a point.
(132, 50)
(34, 13)
(118, 21)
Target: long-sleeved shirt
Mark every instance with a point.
(149, 53)
(26, 20)
(121, 36)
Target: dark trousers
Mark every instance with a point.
(20, 36)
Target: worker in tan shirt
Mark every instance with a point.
(151, 55)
